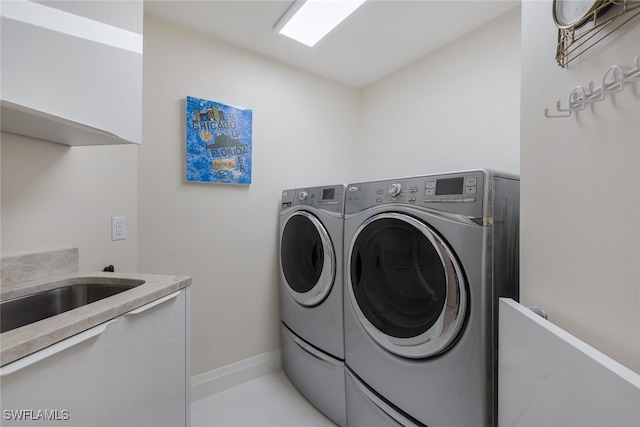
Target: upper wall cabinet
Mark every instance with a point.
(71, 72)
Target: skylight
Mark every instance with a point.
(309, 21)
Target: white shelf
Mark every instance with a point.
(40, 125)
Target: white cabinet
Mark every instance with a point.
(131, 371)
(548, 377)
(74, 380)
(152, 365)
(72, 71)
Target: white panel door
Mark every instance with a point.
(152, 364)
(72, 383)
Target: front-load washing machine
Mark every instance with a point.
(311, 295)
(426, 259)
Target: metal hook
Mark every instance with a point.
(617, 84)
(556, 116)
(593, 95)
(634, 73)
(577, 99)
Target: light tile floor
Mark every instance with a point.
(268, 401)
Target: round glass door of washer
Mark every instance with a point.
(406, 286)
(307, 259)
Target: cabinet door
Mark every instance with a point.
(72, 382)
(69, 65)
(152, 364)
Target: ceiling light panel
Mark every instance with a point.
(309, 21)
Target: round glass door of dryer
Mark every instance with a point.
(307, 259)
(406, 286)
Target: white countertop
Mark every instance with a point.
(28, 339)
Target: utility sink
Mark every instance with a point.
(42, 305)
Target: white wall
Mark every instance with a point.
(55, 196)
(580, 230)
(226, 237)
(456, 108)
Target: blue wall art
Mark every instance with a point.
(218, 142)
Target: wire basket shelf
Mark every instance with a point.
(607, 18)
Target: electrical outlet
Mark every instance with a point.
(118, 228)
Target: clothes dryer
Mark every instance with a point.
(426, 259)
(311, 295)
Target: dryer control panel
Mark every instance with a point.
(459, 193)
(329, 198)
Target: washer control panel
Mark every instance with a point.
(330, 198)
(460, 189)
(460, 192)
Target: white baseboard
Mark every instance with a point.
(220, 379)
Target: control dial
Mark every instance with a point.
(303, 196)
(394, 190)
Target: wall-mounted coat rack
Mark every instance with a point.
(614, 80)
